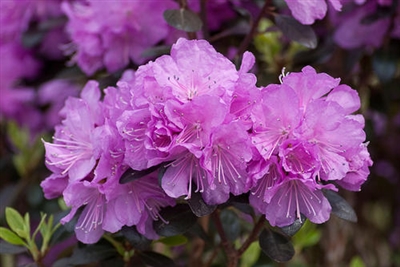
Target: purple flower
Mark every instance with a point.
(110, 35)
(72, 152)
(308, 11)
(17, 100)
(310, 140)
(52, 95)
(356, 28)
(187, 108)
(87, 160)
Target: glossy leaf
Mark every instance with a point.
(198, 206)
(176, 220)
(276, 246)
(87, 254)
(296, 31)
(340, 207)
(137, 240)
(131, 175)
(10, 237)
(183, 19)
(292, 229)
(154, 259)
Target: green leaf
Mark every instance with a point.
(183, 19)
(231, 224)
(340, 207)
(250, 256)
(176, 220)
(173, 241)
(154, 259)
(17, 223)
(308, 235)
(87, 254)
(10, 237)
(137, 240)
(356, 261)
(296, 31)
(276, 246)
(292, 229)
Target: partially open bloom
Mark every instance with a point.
(308, 11)
(308, 141)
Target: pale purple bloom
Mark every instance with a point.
(72, 152)
(17, 100)
(357, 27)
(309, 140)
(111, 34)
(308, 11)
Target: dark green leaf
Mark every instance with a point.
(277, 246)
(340, 207)
(296, 31)
(7, 248)
(384, 63)
(183, 19)
(137, 240)
(176, 220)
(290, 230)
(32, 38)
(198, 206)
(87, 254)
(197, 230)
(231, 224)
(154, 259)
(156, 51)
(131, 175)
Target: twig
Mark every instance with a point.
(203, 16)
(230, 251)
(246, 41)
(253, 236)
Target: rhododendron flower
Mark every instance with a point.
(86, 158)
(311, 140)
(181, 112)
(111, 34)
(310, 10)
(354, 31)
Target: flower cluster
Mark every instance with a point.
(20, 64)
(306, 137)
(213, 132)
(366, 23)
